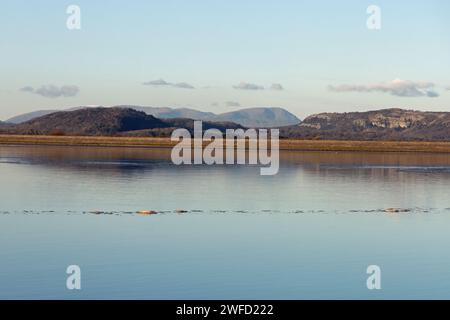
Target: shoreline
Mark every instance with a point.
(285, 144)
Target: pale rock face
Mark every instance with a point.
(317, 121)
(360, 123)
(311, 125)
(385, 124)
(323, 117)
(402, 121)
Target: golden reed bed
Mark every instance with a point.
(285, 144)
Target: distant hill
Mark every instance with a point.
(250, 117)
(259, 117)
(36, 114)
(387, 124)
(253, 117)
(28, 116)
(90, 121)
(4, 125)
(108, 121)
(170, 113)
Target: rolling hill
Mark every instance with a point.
(170, 113)
(259, 117)
(4, 125)
(29, 116)
(90, 121)
(108, 121)
(253, 117)
(250, 117)
(386, 124)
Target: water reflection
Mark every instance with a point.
(222, 231)
(128, 179)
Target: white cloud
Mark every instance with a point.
(163, 83)
(248, 86)
(27, 89)
(397, 87)
(277, 87)
(432, 94)
(159, 82)
(52, 91)
(183, 85)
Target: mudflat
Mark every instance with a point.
(285, 144)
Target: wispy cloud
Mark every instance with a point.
(163, 83)
(232, 104)
(397, 87)
(277, 87)
(183, 85)
(159, 82)
(27, 89)
(432, 94)
(52, 91)
(248, 86)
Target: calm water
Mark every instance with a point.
(308, 232)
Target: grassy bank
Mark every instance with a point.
(289, 144)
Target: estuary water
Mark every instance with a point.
(222, 232)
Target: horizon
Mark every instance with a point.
(69, 109)
(233, 56)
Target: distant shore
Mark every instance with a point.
(285, 144)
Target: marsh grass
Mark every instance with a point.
(285, 144)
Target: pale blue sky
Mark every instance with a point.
(306, 46)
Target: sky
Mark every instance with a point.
(218, 56)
